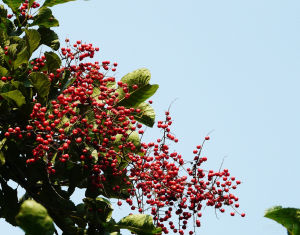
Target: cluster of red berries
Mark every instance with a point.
(25, 8)
(161, 185)
(86, 115)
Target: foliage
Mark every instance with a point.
(65, 123)
(288, 217)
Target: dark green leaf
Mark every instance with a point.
(33, 218)
(4, 40)
(3, 11)
(147, 114)
(53, 61)
(9, 203)
(102, 205)
(13, 4)
(15, 96)
(45, 18)
(33, 40)
(41, 83)
(288, 217)
(22, 58)
(49, 38)
(139, 224)
(50, 3)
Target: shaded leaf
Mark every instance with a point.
(45, 18)
(15, 96)
(101, 205)
(288, 217)
(139, 224)
(13, 4)
(9, 203)
(50, 3)
(147, 114)
(4, 40)
(41, 83)
(53, 61)
(22, 58)
(33, 218)
(33, 40)
(49, 38)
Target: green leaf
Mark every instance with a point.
(3, 11)
(45, 18)
(33, 218)
(12, 50)
(113, 233)
(2, 157)
(3, 71)
(4, 40)
(133, 137)
(141, 78)
(13, 4)
(33, 40)
(139, 224)
(51, 3)
(102, 205)
(22, 58)
(49, 38)
(288, 217)
(15, 96)
(139, 96)
(147, 114)
(53, 61)
(41, 83)
(137, 77)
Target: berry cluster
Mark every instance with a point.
(25, 9)
(86, 116)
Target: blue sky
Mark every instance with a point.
(233, 67)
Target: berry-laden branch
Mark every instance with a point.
(68, 124)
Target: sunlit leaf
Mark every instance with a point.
(146, 115)
(50, 3)
(33, 218)
(140, 224)
(15, 96)
(288, 217)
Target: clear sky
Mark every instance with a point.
(234, 68)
